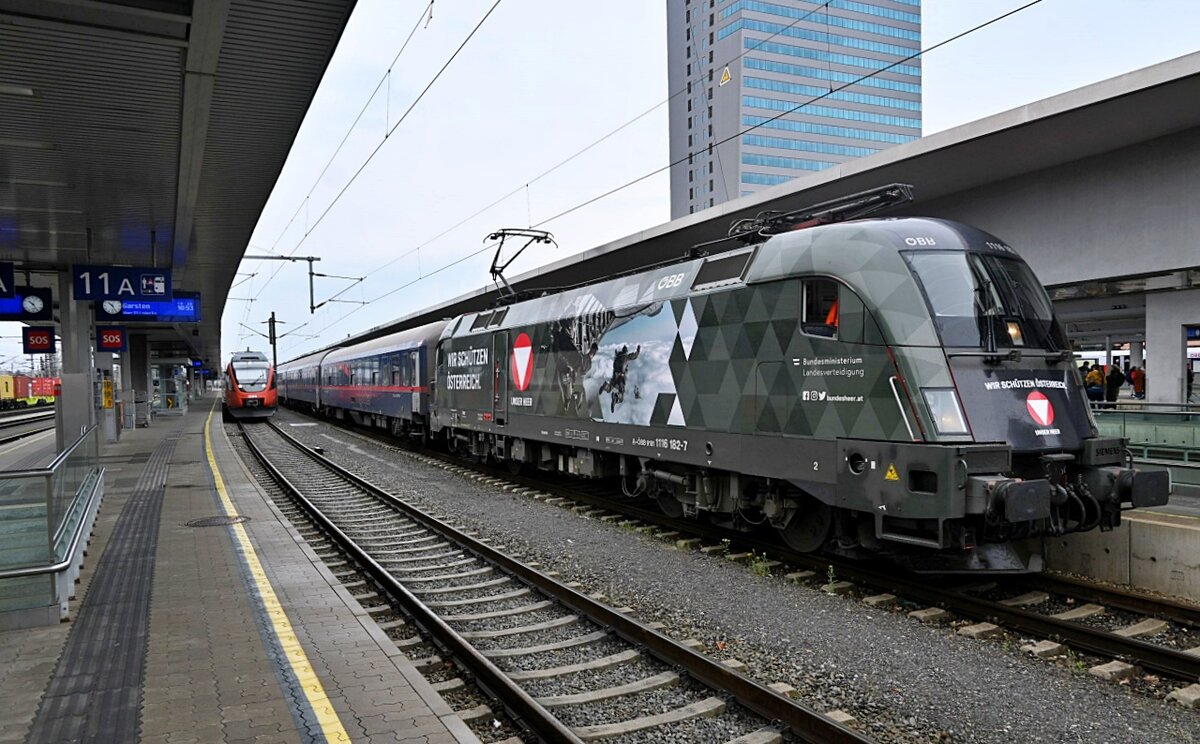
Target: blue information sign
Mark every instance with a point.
(8, 280)
(30, 303)
(183, 308)
(120, 283)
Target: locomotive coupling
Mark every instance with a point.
(1144, 487)
(1017, 500)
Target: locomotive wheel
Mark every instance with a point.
(668, 504)
(809, 527)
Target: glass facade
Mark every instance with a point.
(776, 104)
(775, 90)
(813, 91)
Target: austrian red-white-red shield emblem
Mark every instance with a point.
(1039, 408)
(522, 361)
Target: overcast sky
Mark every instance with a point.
(540, 80)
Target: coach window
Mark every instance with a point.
(819, 314)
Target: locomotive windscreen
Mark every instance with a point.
(251, 377)
(980, 300)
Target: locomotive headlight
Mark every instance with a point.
(945, 410)
(1014, 333)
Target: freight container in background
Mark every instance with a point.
(44, 387)
(21, 385)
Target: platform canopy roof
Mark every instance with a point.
(150, 133)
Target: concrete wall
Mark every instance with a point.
(1127, 212)
(1159, 552)
(1166, 315)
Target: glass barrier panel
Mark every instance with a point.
(24, 540)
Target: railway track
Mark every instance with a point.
(17, 425)
(1156, 634)
(563, 665)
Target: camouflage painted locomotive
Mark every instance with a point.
(898, 386)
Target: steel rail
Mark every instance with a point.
(1153, 657)
(24, 435)
(806, 723)
(519, 704)
(1143, 604)
(25, 414)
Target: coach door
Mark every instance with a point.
(500, 353)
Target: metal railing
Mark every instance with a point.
(68, 491)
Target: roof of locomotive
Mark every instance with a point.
(863, 254)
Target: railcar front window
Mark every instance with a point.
(985, 301)
(251, 378)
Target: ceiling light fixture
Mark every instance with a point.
(36, 182)
(28, 144)
(39, 210)
(15, 90)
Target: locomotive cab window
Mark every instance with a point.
(819, 314)
(985, 301)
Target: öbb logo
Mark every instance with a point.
(522, 361)
(669, 282)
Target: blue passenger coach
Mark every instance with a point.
(384, 382)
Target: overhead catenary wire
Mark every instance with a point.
(794, 109)
(518, 189)
(593, 144)
(386, 77)
(751, 128)
(341, 192)
(592, 200)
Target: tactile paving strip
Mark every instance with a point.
(96, 690)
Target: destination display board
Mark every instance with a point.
(184, 307)
(29, 303)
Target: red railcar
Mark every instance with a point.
(21, 388)
(250, 387)
(45, 387)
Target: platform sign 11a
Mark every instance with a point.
(38, 339)
(111, 339)
(120, 283)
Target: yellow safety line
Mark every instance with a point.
(314, 691)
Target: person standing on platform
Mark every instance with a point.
(1093, 381)
(1137, 378)
(1113, 383)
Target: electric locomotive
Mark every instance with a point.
(250, 391)
(886, 386)
(895, 387)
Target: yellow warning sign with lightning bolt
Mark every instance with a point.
(892, 475)
(725, 77)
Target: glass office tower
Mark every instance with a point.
(809, 74)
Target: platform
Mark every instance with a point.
(1153, 549)
(193, 633)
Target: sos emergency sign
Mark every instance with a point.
(38, 340)
(111, 338)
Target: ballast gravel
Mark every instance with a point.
(903, 681)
